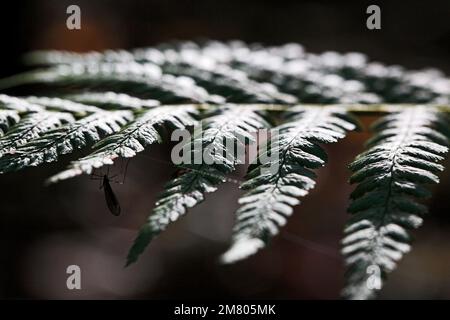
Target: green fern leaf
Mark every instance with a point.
(144, 79)
(272, 193)
(118, 101)
(401, 158)
(131, 139)
(64, 139)
(222, 80)
(64, 105)
(112, 100)
(188, 190)
(32, 126)
(7, 119)
(18, 104)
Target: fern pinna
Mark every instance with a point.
(401, 157)
(119, 102)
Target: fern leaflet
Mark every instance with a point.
(64, 139)
(131, 139)
(272, 193)
(401, 158)
(32, 126)
(187, 190)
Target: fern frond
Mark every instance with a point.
(63, 105)
(230, 123)
(18, 104)
(7, 119)
(118, 101)
(272, 193)
(64, 139)
(131, 139)
(329, 77)
(112, 100)
(401, 158)
(216, 78)
(222, 80)
(141, 79)
(32, 126)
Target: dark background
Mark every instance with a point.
(45, 229)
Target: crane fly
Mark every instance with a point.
(111, 200)
(110, 197)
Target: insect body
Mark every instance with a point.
(110, 197)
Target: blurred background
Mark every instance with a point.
(45, 229)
